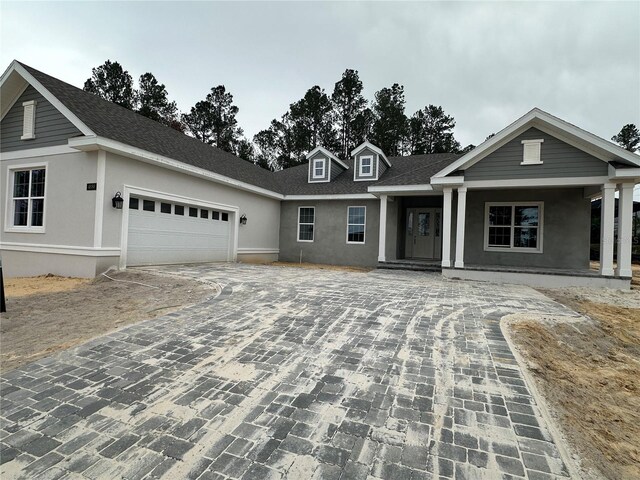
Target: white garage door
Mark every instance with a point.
(163, 232)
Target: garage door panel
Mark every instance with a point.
(156, 238)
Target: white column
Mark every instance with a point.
(460, 221)
(606, 228)
(446, 227)
(382, 241)
(625, 229)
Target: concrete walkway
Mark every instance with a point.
(291, 373)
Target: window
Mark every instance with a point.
(178, 210)
(514, 227)
(306, 222)
(366, 166)
(424, 223)
(318, 168)
(149, 205)
(29, 120)
(531, 152)
(356, 220)
(204, 213)
(193, 212)
(165, 207)
(215, 215)
(28, 198)
(225, 217)
(133, 203)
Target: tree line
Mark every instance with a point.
(338, 121)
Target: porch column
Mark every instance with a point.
(446, 227)
(606, 228)
(382, 241)
(625, 229)
(460, 221)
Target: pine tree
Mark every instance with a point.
(278, 146)
(390, 125)
(111, 82)
(349, 106)
(153, 101)
(628, 138)
(313, 121)
(431, 131)
(213, 120)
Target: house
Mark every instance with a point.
(514, 209)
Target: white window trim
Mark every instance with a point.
(9, 204)
(524, 147)
(322, 162)
(28, 131)
(313, 224)
(513, 249)
(360, 170)
(364, 240)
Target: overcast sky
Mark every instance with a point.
(484, 63)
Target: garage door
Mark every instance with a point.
(162, 232)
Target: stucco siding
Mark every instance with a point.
(51, 127)
(330, 238)
(566, 228)
(69, 209)
(263, 214)
(559, 160)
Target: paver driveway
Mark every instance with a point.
(290, 373)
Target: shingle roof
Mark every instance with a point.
(117, 123)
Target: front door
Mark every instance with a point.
(423, 233)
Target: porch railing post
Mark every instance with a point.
(446, 227)
(606, 228)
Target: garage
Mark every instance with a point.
(163, 232)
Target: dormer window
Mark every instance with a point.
(319, 167)
(366, 166)
(29, 120)
(531, 152)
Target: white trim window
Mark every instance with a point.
(514, 227)
(28, 187)
(531, 152)
(356, 224)
(319, 168)
(306, 224)
(365, 169)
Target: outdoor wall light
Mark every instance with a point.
(117, 201)
(243, 219)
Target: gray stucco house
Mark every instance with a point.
(514, 209)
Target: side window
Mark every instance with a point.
(306, 224)
(356, 224)
(28, 198)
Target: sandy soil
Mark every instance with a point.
(48, 314)
(321, 266)
(589, 372)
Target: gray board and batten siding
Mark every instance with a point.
(559, 160)
(375, 164)
(319, 156)
(51, 127)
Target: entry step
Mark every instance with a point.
(415, 266)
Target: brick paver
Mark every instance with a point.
(290, 373)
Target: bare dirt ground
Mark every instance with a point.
(589, 373)
(47, 314)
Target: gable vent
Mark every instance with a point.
(29, 120)
(531, 152)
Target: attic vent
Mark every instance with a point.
(531, 152)
(29, 120)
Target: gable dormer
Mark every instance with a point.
(369, 162)
(324, 166)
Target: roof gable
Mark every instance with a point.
(564, 131)
(328, 154)
(372, 147)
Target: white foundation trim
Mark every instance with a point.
(249, 250)
(60, 249)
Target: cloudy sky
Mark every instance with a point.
(485, 63)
